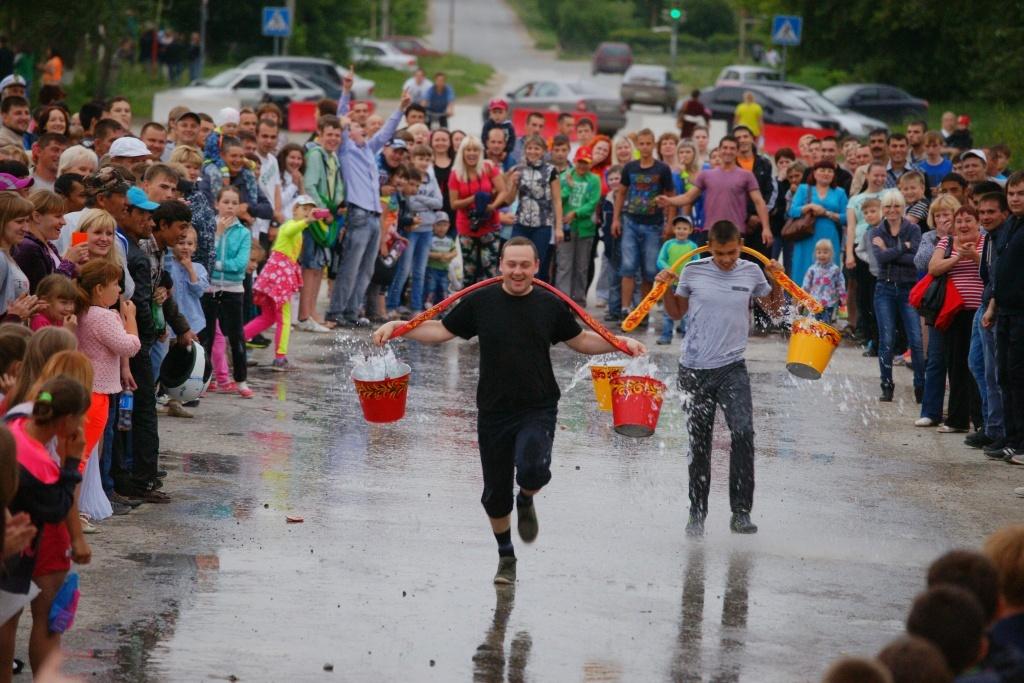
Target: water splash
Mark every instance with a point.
(376, 366)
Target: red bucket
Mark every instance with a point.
(384, 400)
(636, 404)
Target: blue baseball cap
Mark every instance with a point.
(137, 198)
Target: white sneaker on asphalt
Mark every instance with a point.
(310, 325)
(924, 422)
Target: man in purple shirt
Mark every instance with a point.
(364, 232)
(725, 190)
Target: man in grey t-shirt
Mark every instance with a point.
(716, 293)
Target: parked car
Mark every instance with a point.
(648, 84)
(879, 100)
(611, 58)
(322, 72)
(850, 122)
(380, 54)
(411, 45)
(569, 96)
(257, 85)
(744, 73)
(781, 106)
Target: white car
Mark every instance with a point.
(254, 86)
(381, 54)
(741, 72)
(322, 72)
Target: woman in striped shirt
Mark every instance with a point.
(962, 267)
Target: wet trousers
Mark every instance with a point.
(1010, 371)
(727, 387)
(514, 443)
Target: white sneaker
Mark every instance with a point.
(1019, 491)
(924, 422)
(310, 325)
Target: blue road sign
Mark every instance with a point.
(277, 22)
(787, 30)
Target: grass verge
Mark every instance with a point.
(464, 75)
(991, 123)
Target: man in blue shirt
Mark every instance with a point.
(439, 101)
(363, 233)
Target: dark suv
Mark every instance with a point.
(780, 106)
(611, 58)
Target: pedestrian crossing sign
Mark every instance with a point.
(787, 30)
(277, 22)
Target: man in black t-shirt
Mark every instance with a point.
(517, 395)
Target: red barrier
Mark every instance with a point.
(302, 117)
(777, 137)
(550, 121)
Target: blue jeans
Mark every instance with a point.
(934, 377)
(107, 450)
(414, 259)
(157, 353)
(891, 304)
(541, 238)
(976, 362)
(991, 394)
(613, 273)
(640, 246)
(436, 285)
(360, 248)
(668, 324)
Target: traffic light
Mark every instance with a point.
(675, 14)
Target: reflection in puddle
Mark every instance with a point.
(489, 660)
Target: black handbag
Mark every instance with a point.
(934, 297)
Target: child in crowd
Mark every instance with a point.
(189, 282)
(423, 203)
(59, 294)
(671, 250)
(934, 166)
(560, 147)
(12, 351)
(912, 187)
(223, 302)
(281, 279)
(442, 252)
(824, 281)
(497, 117)
(46, 491)
(872, 210)
(226, 126)
(580, 195)
(612, 246)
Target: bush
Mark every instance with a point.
(708, 17)
(584, 25)
(819, 77)
(722, 42)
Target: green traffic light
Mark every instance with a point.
(675, 13)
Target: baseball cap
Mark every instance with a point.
(137, 198)
(441, 217)
(584, 154)
(10, 182)
(188, 115)
(304, 200)
(226, 115)
(682, 219)
(107, 180)
(964, 120)
(129, 147)
(497, 103)
(980, 153)
(13, 79)
(398, 143)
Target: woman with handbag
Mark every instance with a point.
(476, 188)
(894, 243)
(825, 204)
(940, 220)
(956, 320)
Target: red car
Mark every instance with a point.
(411, 45)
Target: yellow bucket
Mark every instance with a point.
(810, 347)
(602, 376)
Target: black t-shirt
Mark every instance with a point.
(516, 333)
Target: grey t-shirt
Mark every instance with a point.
(719, 313)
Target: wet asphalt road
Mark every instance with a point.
(389, 577)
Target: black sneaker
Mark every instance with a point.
(528, 525)
(612, 317)
(977, 440)
(120, 508)
(887, 393)
(258, 342)
(741, 524)
(130, 501)
(995, 449)
(695, 527)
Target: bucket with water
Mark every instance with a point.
(602, 376)
(636, 404)
(810, 347)
(384, 400)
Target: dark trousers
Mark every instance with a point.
(1010, 372)
(107, 447)
(703, 391)
(226, 308)
(866, 325)
(964, 399)
(514, 443)
(137, 463)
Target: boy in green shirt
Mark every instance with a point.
(671, 250)
(581, 193)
